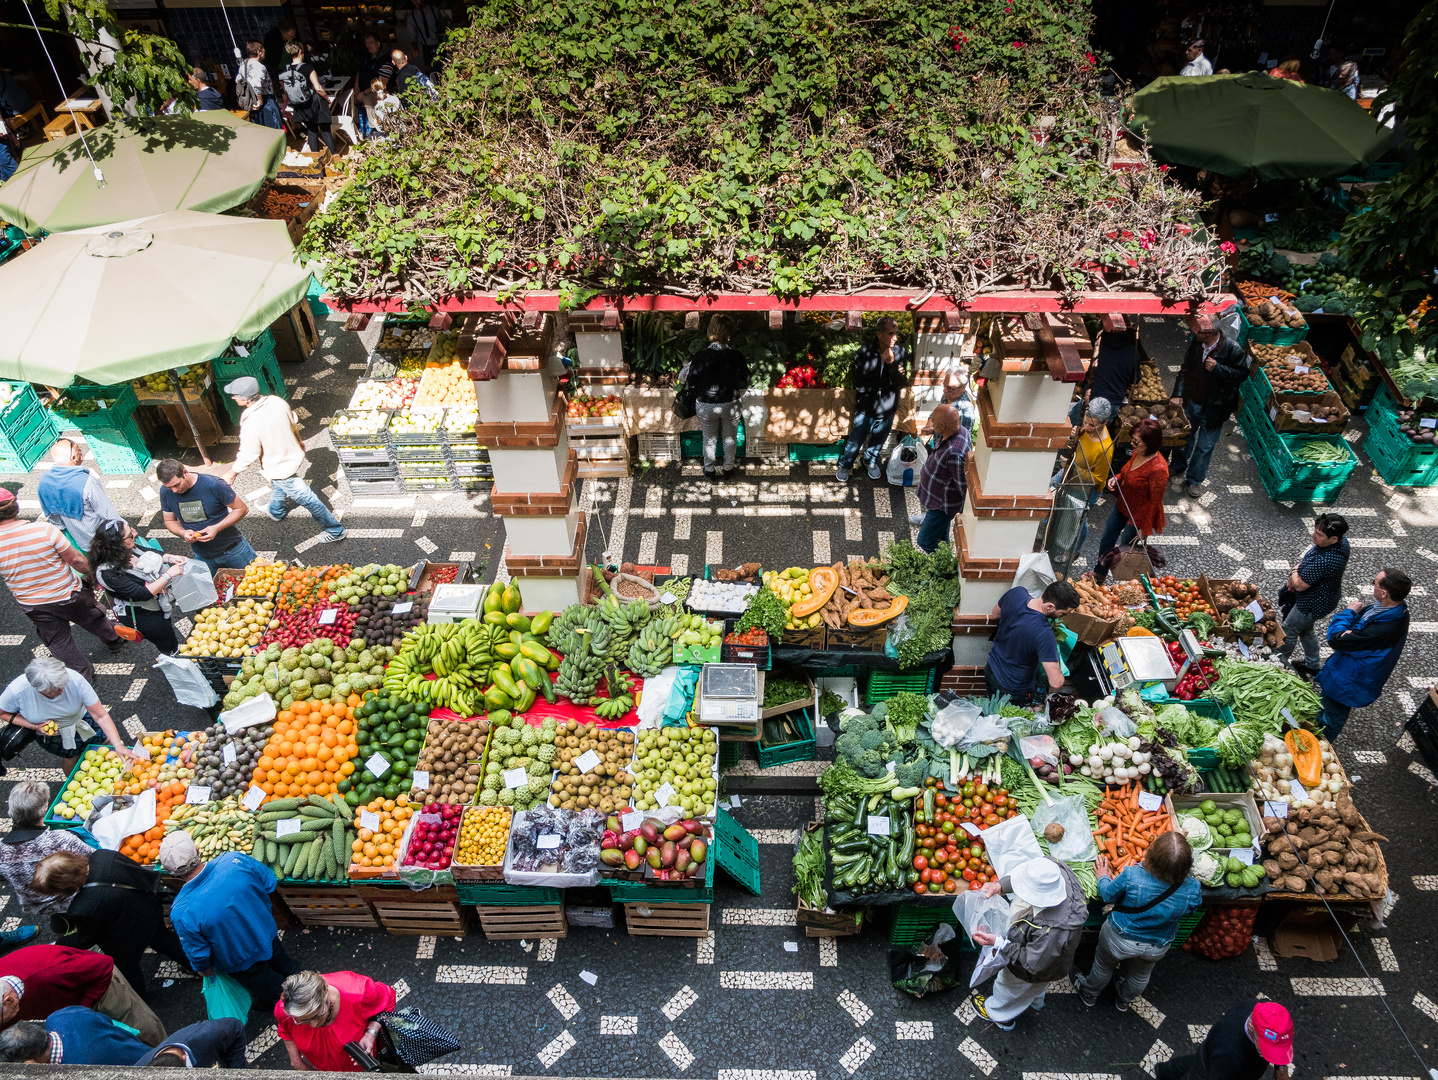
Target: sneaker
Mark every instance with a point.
(916, 519)
(979, 1000)
(273, 516)
(841, 474)
(730, 470)
(116, 645)
(1195, 490)
(1037, 1004)
(711, 473)
(19, 935)
(874, 473)
(1120, 1004)
(1076, 978)
(331, 538)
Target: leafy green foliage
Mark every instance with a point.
(765, 610)
(931, 582)
(144, 74)
(781, 146)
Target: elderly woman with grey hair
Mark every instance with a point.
(317, 1014)
(58, 703)
(29, 842)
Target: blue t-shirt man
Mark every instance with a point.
(204, 503)
(1024, 640)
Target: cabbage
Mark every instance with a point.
(1208, 869)
(1197, 831)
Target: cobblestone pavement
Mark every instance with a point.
(756, 999)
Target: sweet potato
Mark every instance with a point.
(1272, 868)
(1288, 860)
(1293, 883)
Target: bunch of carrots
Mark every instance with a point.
(1125, 830)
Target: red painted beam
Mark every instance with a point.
(1017, 301)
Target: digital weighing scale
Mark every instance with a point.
(1128, 660)
(729, 694)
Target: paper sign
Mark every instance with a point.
(369, 820)
(1255, 609)
(878, 826)
(548, 842)
(253, 798)
(1270, 217)
(791, 946)
(141, 749)
(377, 764)
(588, 761)
(969, 827)
(589, 977)
(229, 594)
(667, 597)
(327, 617)
(1242, 854)
(664, 794)
(1289, 717)
(288, 826)
(421, 780)
(514, 778)
(1301, 369)
(632, 820)
(1428, 422)
(1297, 789)
(1147, 800)
(229, 753)
(403, 609)
(1243, 648)
(240, 350)
(734, 802)
(1318, 311)
(1305, 283)
(1275, 809)
(197, 793)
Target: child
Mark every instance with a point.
(379, 105)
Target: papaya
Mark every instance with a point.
(870, 617)
(517, 622)
(512, 600)
(822, 581)
(494, 599)
(1307, 756)
(540, 623)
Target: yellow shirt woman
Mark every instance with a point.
(1093, 457)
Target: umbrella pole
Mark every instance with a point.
(185, 407)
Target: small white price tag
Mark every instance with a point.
(1243, 855)
(1428, 422)
(421, 780)
(878, 826)
(889, 765)
(377, 764)
(369, 820)
(1318, 311)
(403, 609)
(1147, 800)
(240, 350)
(327, 617)
(667, 597)
(229, 753)
(791, 946)
(1305, 283)
(514, 778)
(548, 842)
(1270, 218)
(288, 826)
(1275, 809)
(197, 793)
(589, 977)
(1298, 789)
(1243, 648)
(632, 819)
(1288, 716)
(1273, 413)
(969, 827)
(665, 793)
(588, 761)
(253, 798)
(1255, 609)
(229, 593)
(140, 749)
(1301, 369)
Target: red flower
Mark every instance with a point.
(1163, 168)
(1091, 58)
(1228, 247)
(1020, 45)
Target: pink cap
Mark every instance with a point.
(1273, 1032)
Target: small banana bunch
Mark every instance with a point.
(652, 650)
(621, 696)
(582, 666)
(561, 630)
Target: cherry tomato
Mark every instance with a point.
(1001, 800)
(976, 850)
(948, 828)
(941, 799)
(974, 886)
(976, 864)
(950, 868)
(991, 820)
(939, 877)
(986, 809)
(934, 887)
(920, 888)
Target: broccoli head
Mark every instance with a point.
(872, 740)
(912, 773)
(870, 764)
(860, 724)
(848, 745)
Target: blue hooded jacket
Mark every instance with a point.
(1366, 645)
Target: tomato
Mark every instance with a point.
(968, 800)
(926, 875)
(991, 820)
(976, 849)
(976, 864)
(933, 887)
(986, 809)
(941, 799)
(920, 862)
(974, 886)
(926, 852)
(951, 886)
(939, 877)
(1001, 800)
(969, 875)
(968, 787)
(920, 888)
(948, 828)
(950, 868)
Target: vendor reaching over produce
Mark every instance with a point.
(1314, 589)
(1114, 369)
(1024, 640)
(880, 373)
(1149, 899)
(1045, 925)
(1208, 387)
(1366, 644)
(1138, 489)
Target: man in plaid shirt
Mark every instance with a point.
(942, 483)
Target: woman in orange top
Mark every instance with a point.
(1138, 488)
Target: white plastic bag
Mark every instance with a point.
(1036, 572)
(960, 725)
(1077, 844)
(259, 709)
(186, 680)
(978, 912)
(1114, 723)
(1041, 748)
(906, 462)
(1011, 843)
(195, 587)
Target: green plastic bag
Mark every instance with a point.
(225, 997)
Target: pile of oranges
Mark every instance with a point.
(303, 587)
(144, 847)
(446, 384)
(310, 752)
(380, 848)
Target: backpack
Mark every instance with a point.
(298, 90)
(247, 95)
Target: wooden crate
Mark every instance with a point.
(667, 920)
(826, 923)
(530, 921)
(328, 907)
(421, 917)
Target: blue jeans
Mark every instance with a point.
(872, 423)
(1333, 715)
(1194, 455)
(267, 115)
(8, 164)
(241, 555)
(298, 492)
(934, 530)
(1119, 530)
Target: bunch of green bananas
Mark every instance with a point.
(459, 655)
(651, 650)
(580, 670)
(621, 698)
(561, 630)
(625, 619)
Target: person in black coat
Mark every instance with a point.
(114, 904)
(202, 1046)
(138, 578)
(1209, 388)
(1114, 369)
(880, 374)
(719, 375)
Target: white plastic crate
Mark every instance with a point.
(659, 447)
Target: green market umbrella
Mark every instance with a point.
(201, 161)
(1237, 124)
(141, 297)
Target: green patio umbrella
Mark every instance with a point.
(200, 161)
(117, 303)
(1237, 124)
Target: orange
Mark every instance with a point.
(347, 769)
(300, 708)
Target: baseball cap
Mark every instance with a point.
(178, 853)
(6, 496)
(246, 387)
(1273, 1033)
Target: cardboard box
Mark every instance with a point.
(811, 699)
(1091, 631)
(1309, 931)
(1283, 421)
(808, 416)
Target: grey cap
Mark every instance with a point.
(1098, 409)
(244, 387)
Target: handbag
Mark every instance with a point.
(686, 395)
(1286, 599)
(416, 1039)
(1109, 559)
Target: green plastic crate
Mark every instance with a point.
(1288, 466)
(637, 892)
(691, 444)
(498, 893)
(1187, 924)
(121, 405)
(736, 851)
(885, 684)
(318, 307)
(1264, 386)
(1398, 459)
(803, 748)
(51, 818)
(1321, 487)
(119, 450)
(261, 365)
(22, 456)
(912, 924)
(1267, 335)
(728, 755)
(815, 452)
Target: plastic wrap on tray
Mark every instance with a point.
(554, 848)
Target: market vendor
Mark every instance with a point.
(204, 510)
(49, 692)
(1024, 639)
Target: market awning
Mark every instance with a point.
(143, 296)
(1275, 128)
(201, 161)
